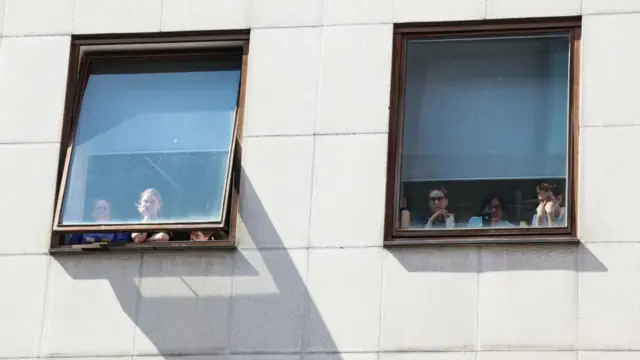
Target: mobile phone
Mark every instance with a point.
(486, 219)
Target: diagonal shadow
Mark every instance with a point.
(240, 302)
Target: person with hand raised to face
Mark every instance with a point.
(549, 211)
(149, 207)
(438, 202)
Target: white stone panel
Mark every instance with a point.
(27, 190)
(438, 10)
(610, 72)
(528, 298)
(275, 195)
(89, 299)
(356, 79)
(527, 8)
(33, 79)
(349, 190)
(608, 184)
(184, 304)
(37, 17)
(608, 311)
(23, 284)
(430, 300)
(117, 16)
(344, 287)
(357, 12)
(191, 15)
(282, 84)
(269, 301)
(285, 13)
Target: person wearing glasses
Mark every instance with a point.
(440, 217)
(492, 214)
(549, 211)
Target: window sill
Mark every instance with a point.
(138, 248)
(481, 241)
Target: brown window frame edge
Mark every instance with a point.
(394, 236)
(77, 77)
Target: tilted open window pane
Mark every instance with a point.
(484, 133)
(153, 142)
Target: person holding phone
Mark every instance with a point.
(492, 214)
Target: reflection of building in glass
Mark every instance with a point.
(319, 180)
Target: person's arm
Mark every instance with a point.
(159, 237)
(539, 216)
(139, 237)
(551, 219)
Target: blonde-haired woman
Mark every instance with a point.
(149, 208)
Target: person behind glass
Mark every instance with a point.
(101, 214)
(438, 202)
(549, 211)
(201, 235)
(492, 214)
(149, 207)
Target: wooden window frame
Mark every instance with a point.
(393, 235)
(177, 45)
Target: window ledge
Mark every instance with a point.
(138, 248)
(481, 241)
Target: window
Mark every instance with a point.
(483, 133)
(152, 131)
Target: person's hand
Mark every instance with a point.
(438, 214)
(551, 207)
(542, 209)
(143, 210)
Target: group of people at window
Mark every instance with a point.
(148, 206)
(492, 211)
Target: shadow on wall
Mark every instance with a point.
(257, 301)
(493, 258)
(240, 302)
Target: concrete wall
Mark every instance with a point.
(307, 283)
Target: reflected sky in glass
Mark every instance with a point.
(169, 129)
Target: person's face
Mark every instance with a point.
(198, 236)
(438, 201)
(496, 210)
(546, 196)
(101, 211)
(150, 203)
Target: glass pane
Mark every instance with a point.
(152, 143)
(485, 123)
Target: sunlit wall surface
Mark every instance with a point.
(310, 278)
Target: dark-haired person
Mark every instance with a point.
(492, 214)
(440, 217)
(549, 211)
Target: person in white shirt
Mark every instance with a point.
(438, 202)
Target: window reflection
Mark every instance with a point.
(153, 142)
(485, 133)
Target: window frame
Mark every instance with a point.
(179, 45)
(393, 235)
